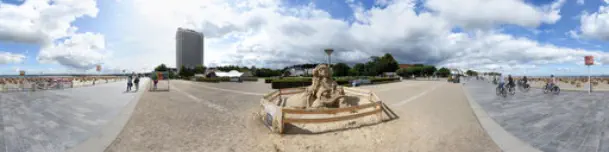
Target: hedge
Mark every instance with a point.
(213, 80)
(249, 78)
(301, 82)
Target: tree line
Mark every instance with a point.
(375, 66)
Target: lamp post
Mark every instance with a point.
(329, 52)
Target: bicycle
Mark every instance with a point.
(501, 91)
(554, 89)
(511, 89)
(524, 87)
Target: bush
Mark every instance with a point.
(249, 79)
(293, 82)
(212, 80)
(281, 84)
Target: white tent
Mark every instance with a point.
(232, 73)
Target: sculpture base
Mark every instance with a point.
(275, 113)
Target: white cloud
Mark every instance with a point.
(269, 34)
(80, 51)
(487, 13)
(42, 21)
(7, 57)
(573, 34)
(596, 25)
(580, 2)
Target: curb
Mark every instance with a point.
(502, 138)
(99, 142)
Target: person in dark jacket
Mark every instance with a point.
(129, 83)
(136, 81)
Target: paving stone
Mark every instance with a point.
(56, 120)
(570, 121)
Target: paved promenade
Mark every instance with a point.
(196, 116)
(572, 121)
(57, 120)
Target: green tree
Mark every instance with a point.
(358, 69)
(429, 70)
(265, 72)
(471, 73)
(161, 67)
(404, 72)
(443, 72)
(340, 69)
(185, 72)
(387, 64)
(200, 69)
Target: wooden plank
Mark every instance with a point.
(327, 111)
(274, 97)
(270, 94)
(289, 93)
(291, 89)
(324, 120)
(356, 93)
(377, 99)
(357, 90)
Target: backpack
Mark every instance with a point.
(137, 80)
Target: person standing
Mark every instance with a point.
(137, 82)
(129, 84)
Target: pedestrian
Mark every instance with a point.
(129, 84)
(137, 82)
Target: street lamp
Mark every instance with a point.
(329, 52)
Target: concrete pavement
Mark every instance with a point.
(570, 121)
(57, 120)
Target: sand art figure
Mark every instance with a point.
(324, 92)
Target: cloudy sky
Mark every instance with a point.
(536, 37)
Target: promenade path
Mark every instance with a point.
(196, 116)
(57, 120)
(571, 121)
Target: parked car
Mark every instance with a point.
(360, 81)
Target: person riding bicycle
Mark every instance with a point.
(501, 81)
(552, 81)
(525, 80)
(510, 81)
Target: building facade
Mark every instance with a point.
(189, 48)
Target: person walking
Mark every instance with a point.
(129, 84)
(137, 82)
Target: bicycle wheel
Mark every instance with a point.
(504, 92)
(512, 91)
(498, 91)
(556, 90)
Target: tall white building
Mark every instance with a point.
(189, 48)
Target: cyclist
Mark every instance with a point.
(551, 82)
(524, 80)
(510, 81)
(501, 81)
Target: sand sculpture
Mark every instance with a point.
(323, 92)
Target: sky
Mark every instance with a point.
(519, 37)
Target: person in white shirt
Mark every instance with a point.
(501, 81)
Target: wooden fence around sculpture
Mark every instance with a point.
(275, 100)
